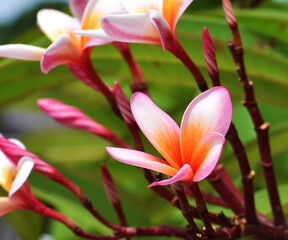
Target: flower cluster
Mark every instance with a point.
(188, 153)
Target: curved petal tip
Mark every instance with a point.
(185, 174)
(25, 166)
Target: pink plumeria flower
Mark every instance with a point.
(14, 150)
(67, 48)
(147, 21)
(13, 179)
(192, 151)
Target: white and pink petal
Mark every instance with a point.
(163, 29)
(96, 9)
(98, 37)
(206, 155)
(61, 52)
(54, 23)
(22, 52)
(159, 128)
(24, 168)
(185, 174)
(142, 6)
(141, 159)
(77, 7)
(135, 28)
(173, 10)
(211, 111)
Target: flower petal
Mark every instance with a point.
(77, 7)
(142, 6)
(184, 174)
(14, 153)
(160, 129)
(163, 29)
(130, 28)
(25, 166)
(96, 9)
(141, 159)
(173, 10)
(99, 36)
(206, 155)
(22, 51)
(209, 112)
(54, 23)
(61, 52)
(7, 206)
(7, 170)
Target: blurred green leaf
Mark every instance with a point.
(263, 203)
(78, 154)
(28, 225)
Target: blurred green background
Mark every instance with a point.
(264, 30)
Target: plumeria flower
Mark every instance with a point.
(192, 151)
(67, 48)
(14, 150)
(152, 22)
(13, 179)
(147, 21)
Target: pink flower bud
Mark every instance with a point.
(75, 118)
(109, 187)
(210, 57)
(229, 13)
(232, 22)
(124, 106)
(112, 194)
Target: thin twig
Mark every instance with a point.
(185, 208)
(250, 103)
(202, 208)
(246, 173)
(178, 51)
(138, 78)
(226, 189)
(235, 200)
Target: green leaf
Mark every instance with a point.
(28, 225)
(263, 203)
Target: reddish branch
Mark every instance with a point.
(138, 78)
(246, 173)
(226, 189)
(178, 51)
(202, 208)
(261, 127)
(234, 200)
(185, 208)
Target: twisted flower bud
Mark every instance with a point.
(75, 118)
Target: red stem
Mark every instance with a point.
(261, 127)
(232, 135)
(202, 208)
(121, 232)
(138, 78)
(185, 208)
(178, 51)
(226, 189)
(246, 172)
